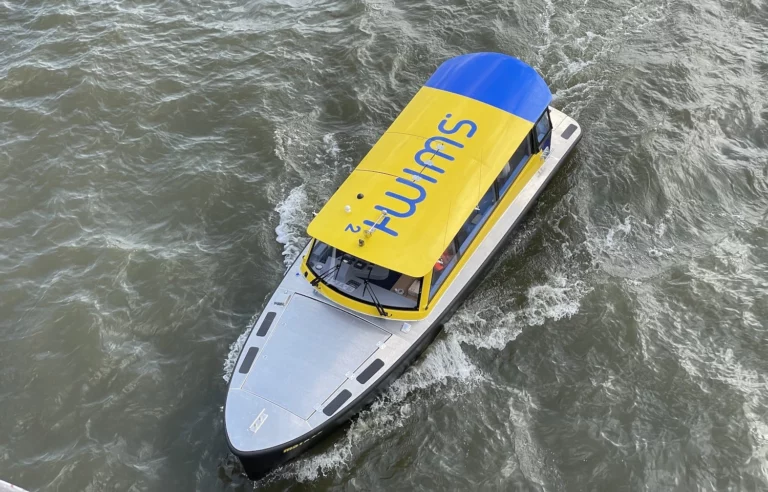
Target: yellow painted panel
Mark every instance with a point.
(533, 165)
(427, 172)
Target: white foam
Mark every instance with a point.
(559, 298)
(484, 325)
(655, 253)
(733, 253)
(611, 243)
(625, 227)
(331, 145)
(445, 360)
(293, 220)
(469, 327)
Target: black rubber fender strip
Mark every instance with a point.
(248, 360)
(264, 328)
(369, 371)
(337, 402)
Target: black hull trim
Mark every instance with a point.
(258, 464)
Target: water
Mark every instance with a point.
(160, 160)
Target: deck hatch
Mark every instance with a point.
(369, 371)
(310, 351)
(250, 356)
(264, 328)
(337, 402)
(569, 131)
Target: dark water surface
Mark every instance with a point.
(160, 160)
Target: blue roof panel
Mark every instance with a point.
(499, 80)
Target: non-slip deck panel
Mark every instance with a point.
(369, 371)
(264, 328)
(337, 402)
(313, 346)
(250, 356)
(569, 131)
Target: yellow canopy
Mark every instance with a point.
(417, 186)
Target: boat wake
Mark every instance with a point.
(293, 219)
(482, 324)
(444, 362)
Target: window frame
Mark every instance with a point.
(534, 147)
(501, 191)
(315, 242)
(433, 289)
(536, 140)
(467, 242)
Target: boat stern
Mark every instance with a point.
(566, 133)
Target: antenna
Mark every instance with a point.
(369, 232)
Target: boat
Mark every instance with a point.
(393, 253)
(9, 487)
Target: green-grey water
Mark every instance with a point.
(159, 162)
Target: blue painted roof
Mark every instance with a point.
(499, 80)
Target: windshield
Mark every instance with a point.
(363, 281)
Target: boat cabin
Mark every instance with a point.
(405, 220)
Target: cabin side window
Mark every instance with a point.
(443, 267)
(483, 210)
(476, 220)
(514, 166)
(543, 129)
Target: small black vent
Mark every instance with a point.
(264, 328)
(354, 283)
